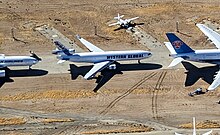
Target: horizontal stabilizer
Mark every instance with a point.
(118, 17)
(175, 62)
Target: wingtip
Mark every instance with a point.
(78, 37)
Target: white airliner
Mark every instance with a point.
(180, 51)
(101, 59)
(8, 61)
(194, 129)
(123, 23)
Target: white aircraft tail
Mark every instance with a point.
(33, 55)
(194, 126)
(2, 55)
(173, 52)
(176, 46)
(118, 17)
(194, 129)
(61, 49)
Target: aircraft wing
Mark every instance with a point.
(216, 82)
(211, 34)
(96, 68)
(131, 19)
(90, 46)
(117, 23)
(207, 133)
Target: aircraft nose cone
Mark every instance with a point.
(149, 54)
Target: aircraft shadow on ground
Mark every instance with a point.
(107, 74)
(193, 73)
(130, 25)
(21, 73)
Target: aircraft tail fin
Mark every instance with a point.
(32, 54)
(62, 48)
(194, 126)
(178, 45)
(118, 17)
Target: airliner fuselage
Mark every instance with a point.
(209, 56)
(95, 57)
(7, 61)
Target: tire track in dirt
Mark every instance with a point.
(155, 92)
(115, 101)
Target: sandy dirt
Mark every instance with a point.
(140, 101)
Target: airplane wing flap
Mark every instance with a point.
(90, 46)
(96, 68)
(216, 82)
(211, 34)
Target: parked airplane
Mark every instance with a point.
(8, 61)
(194, 129)
(101, 59)
(123, 23)
(180, 51)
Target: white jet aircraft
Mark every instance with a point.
(180, 52)
(123, 23)
(101, 59)
(194, 129)
(8, 61)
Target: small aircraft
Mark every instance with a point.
(101, 59)
(194, 129)
(126, 23)
(180, 52)
(8, 61)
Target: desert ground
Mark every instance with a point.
(147, 98)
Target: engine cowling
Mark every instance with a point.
(112, 67)
(2, 73)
